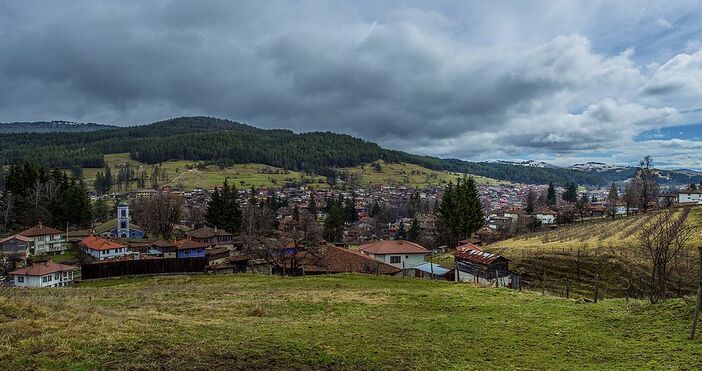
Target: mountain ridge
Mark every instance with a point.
(224, 142)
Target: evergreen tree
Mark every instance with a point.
(296, 214)
(414, 231)
(460, 211)
(375, 210)
(312, 205)
(571, 192)
(334, 223)
(551, 195)
(231, 213)
(215, 207)
(107, 181)
(401, 233)
(530, 201)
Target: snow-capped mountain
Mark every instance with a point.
(597, 167)
(528, 163)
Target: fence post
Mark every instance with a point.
(568, 287)
(543, 282)
(597, 286)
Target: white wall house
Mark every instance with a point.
(44, 274)
(398, 253)
(44, 240)
(545, 216)
(101, 248)
(690, 196)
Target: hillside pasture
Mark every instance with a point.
(347, 321)
(409, 175)
(187, 175)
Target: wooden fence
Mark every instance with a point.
(145, 266)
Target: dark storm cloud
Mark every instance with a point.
(455, 80)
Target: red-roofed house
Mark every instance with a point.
(44, 274)
(398, 253)
(44, 240)
(101, 248)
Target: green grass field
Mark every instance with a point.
(332, 322)
(410, 175)
(178, 174)
(258, 175)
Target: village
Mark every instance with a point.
(393, 230)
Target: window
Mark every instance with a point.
(20, 279)
(395, 259)
(124, 213)
(57, 276)
(123, 225)
(40, 238)
(45, 279)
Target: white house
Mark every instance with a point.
(690, 195)
(398, 253)
(101, 248)
(545, 216)
(44, 274)
(44, 240)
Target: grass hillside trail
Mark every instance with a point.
(348, 321)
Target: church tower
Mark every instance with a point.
(122, 220)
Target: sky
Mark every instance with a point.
(556, 81)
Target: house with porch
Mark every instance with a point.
(44, 240)
(45, 274)
(211, 236)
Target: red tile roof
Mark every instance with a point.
(42, 269)
(39, 230)
(338, 260)
(98, 243)
(189, 244)
(385, 247)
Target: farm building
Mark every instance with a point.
(475, 265)
(432, 271)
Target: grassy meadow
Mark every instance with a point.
(178, 174)
(347, 321)
(258, 175)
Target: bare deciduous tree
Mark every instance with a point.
(289, 255)
(661, 240)
(649, 183)
(163, 212)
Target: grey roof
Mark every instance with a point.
(426, 267)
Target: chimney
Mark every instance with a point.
(40, 225)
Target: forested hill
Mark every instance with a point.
(226, 142)
(49, 127)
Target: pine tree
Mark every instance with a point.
(401, 233)
(213, 213)
(414, 231)
(312, 205)
(334, 223)
(375, 210)
(551, 195)
(231, 213)
(296, 214)
(460, 211)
